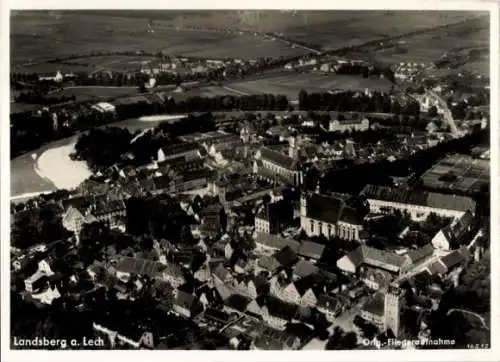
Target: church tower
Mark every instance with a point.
(392, 309)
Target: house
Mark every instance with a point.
(48, 295)
(274, 165)
(330, 216)
(252, 286)
(303, 269)
(58, 77)
(377, 268)
(237, 302)
(269, 242)
(186, 304)
(302, 292)
(73, 220)
(213, 218)
(222, 275)
(40, 278)
(311, 250)
(169, 272)
(349, 125)
(108, 210)
(373, 311)
(104, 107)
(450, 236)
(286, 257)
(269, 263)
(277, 313)
(419, 204)
(330, 306)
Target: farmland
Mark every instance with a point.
(291, 84)
(37, 37)
(430, 47)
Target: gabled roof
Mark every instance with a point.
(238, 302)
(304, 268)
(311, 250)
(269, 263)
(140, 266)
(178, 148)
(453, 259)
(278, 158)
(221, 273)
(437, 268)
(304, 284)
(375, 305)
(324, 208)
(185, 300)
(71, 215)
(276, 242)
(422, 198)
(418, 254)
(285, 256)
(376, 257)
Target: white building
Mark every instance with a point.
(418, 204)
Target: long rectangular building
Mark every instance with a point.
(418, 203)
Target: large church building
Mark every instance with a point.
(330, 216)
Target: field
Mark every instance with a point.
(458, 172)
(96, 92)
(332, 30)
(291, 84)
(457, 40)
(42, 35)
(38, 36)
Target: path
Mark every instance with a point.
(474, 314)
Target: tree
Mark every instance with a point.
(432, 112)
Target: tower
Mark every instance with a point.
(392, 309)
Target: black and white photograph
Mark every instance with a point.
(249, 180)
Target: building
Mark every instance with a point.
(384, 310)
(168, 272)
(272, 243)
(373, 311)
(330, 306)
(73, 220)
(419, 204)
(58, 77)
(274, 217)
(187, 150)
(40, 278)
(187, 304)
(302, 292)
(454, 234)
(330, 216)
(276, 166)
(104, 107)
(378, 268)
(345, 125)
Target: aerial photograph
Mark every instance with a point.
(249, 180)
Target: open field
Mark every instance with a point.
(429, 47)
(38, 36)
(95, 92)
(332, 30)
(291, 84)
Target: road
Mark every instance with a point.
(474, 314)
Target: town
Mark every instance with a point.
(312, 219)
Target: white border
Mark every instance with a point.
(470, 355)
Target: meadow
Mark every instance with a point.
(291, 84)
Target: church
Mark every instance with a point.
(331, 216)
